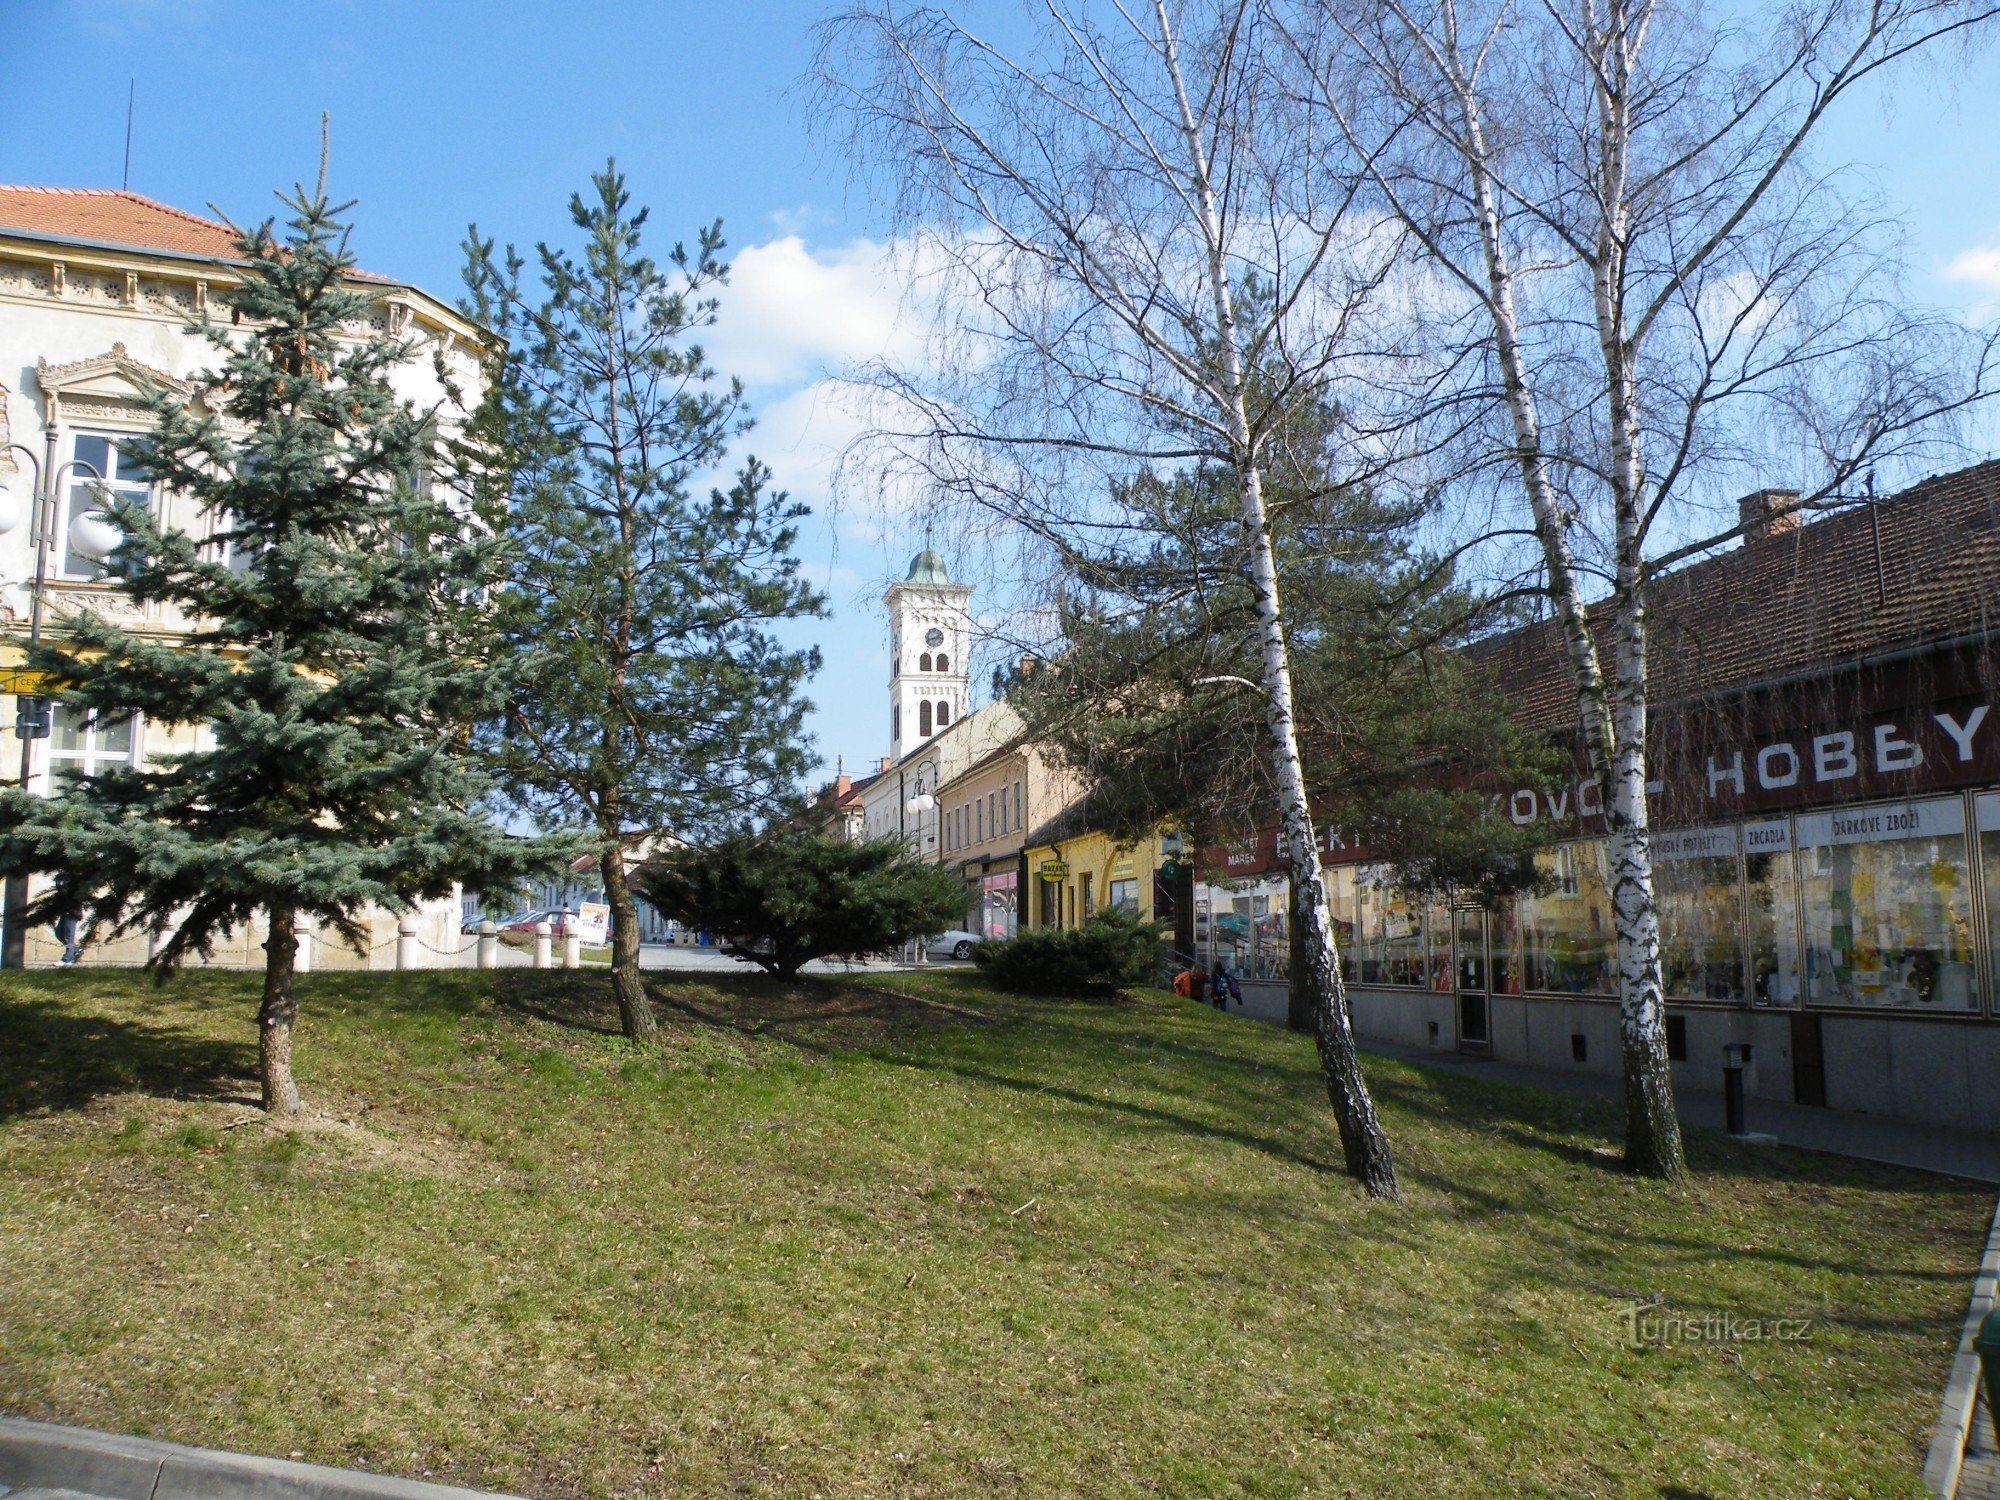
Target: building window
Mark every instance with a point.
(83, 746)
(1123, 895)
(924, 718)
(1567, 945)
(978, 822)
(1698, 888)
(1052, 903)
(895, 722)
(924, 662)
(1089, 901)
(1888, 906)
(943, 662)
(943, 713)
(1771, 928)
(82, 494)
(1988, 817)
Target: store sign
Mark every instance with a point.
(593, 924)
(1053, 869)
(1696, 843)
(1917, 749)
(1875, 825)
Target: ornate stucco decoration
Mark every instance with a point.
(113, 385)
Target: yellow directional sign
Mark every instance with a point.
(21, 680)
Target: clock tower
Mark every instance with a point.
(930, 631)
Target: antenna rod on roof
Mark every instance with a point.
(131, 95)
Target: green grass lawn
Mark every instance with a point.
(899, 1236)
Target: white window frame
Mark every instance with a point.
(80, 494)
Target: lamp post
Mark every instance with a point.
(31, 719)
(920, 802)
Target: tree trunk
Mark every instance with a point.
(1652, 1130)
(635, 1011)
(1299, 1014)
(1362, 1142)
(275, 1016)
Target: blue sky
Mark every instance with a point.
(449, 111)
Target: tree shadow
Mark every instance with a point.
(54, 1058)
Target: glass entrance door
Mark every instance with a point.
(1475, 1028)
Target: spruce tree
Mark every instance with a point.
(653, 696)
(335, 656)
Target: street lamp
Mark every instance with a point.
(95, 536)
(919, 803)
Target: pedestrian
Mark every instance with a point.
(1184, 983)
(1226, 987)
(1198, 982)
(65, 926)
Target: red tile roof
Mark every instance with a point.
(1798, 602)
(115, 217)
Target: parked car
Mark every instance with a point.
(953, 943)
(523, 923)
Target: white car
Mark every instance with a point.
(954, 943)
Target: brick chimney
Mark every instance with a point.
(1767, 513)
(882, 765)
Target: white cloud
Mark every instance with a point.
(793, 313)
(1979, 268)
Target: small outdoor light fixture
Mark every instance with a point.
(94, 535)
(1735, 1058)
(13, 506)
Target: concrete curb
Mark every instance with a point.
(42, 1454)
(1961, 1387)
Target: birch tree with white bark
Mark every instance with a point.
(1669, 302)
(1137, 269)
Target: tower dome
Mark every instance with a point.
(927, 567)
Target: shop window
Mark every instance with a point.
(1887, 905)
(1503, 940)
(1771, 905)
(1405, 942)
(997, 906)
(1123, 895)
(1567, 946)
(1988, 816)
(1089, 901)
(1346, 920)
(1052, 903)
(1699, 894)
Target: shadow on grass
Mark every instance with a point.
(849, 1017)
(55, 1057)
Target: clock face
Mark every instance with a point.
(934, 638)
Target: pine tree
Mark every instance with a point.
(335, 656)
(653, 697)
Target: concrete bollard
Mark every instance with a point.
(489, 946)
(406, 942)
(302, 931)
(572, 948)
(542, 954)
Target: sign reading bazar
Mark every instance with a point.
(1912, 750)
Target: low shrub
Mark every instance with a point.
(1111, 950)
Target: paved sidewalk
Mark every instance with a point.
(1928, 1148)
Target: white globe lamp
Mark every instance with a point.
(13, 506)
(93, 534)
